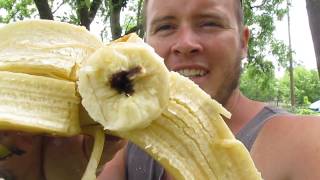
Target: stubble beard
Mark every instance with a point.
(230, 83)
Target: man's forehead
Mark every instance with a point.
(148, 1)
(218, 8)
(172, 4)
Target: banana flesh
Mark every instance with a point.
(38, 104)
(45, 48)
(120, 86)
(189, 137)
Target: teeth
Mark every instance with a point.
(192, 72)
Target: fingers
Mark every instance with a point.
(16, 143)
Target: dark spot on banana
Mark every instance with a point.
(122, 80)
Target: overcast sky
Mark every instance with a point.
(300, 34)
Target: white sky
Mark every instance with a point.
(300, 34)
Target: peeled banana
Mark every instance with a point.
(164, 113)
(39, 61)
(126, 88)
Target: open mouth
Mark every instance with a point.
(192, 73)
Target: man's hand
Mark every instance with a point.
(67, 158)
(51, 158)
(25, 160)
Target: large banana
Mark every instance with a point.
(39, 60)
(184, 130)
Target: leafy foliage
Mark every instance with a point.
(305, 111)
(260, 16)
(13, 10)
(261, 87)
(259, 84)
(306, 85)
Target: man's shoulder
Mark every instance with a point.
(286, 128)
(292, 124)
(289, 142)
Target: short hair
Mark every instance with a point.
(238, 8)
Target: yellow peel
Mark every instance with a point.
(99, 140)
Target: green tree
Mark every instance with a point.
(307, 86)
(259, 85)
(115, 7)
(134, 23)
(13, 10)
(258, 79)
(260, 16)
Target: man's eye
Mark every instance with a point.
(164, 27)
(210, 24)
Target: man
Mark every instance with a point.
(209, 36)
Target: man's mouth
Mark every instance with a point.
(191, 73)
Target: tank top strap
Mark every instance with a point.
(141, 166)
(248, 134)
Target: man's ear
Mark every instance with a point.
(245, 35)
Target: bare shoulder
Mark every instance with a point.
(288, 147)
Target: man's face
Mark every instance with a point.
(199, 39)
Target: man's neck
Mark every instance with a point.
(242, 110)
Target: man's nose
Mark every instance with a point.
(186, 43)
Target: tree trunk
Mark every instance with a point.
(44, 9)
(140, 19)
(292, 90)
(83, 13)
(87, 15)
(115, 9)
(313, 9)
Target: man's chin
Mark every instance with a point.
(221, 94)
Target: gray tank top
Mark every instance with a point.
(140, 166)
